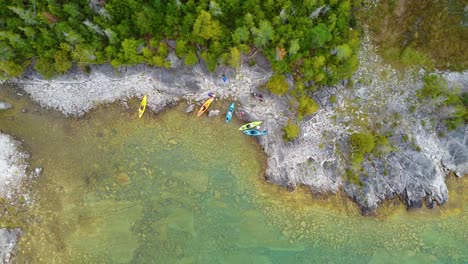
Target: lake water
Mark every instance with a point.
(173, 188)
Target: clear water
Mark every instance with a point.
(173, 188)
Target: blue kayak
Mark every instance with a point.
(254, 132)
(230, 112)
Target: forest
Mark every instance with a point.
(313, 40)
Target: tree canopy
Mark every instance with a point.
(312, 40)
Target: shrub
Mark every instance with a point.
(382, 146)
(435, 87)
(44, 67)
(306, 105)
(190, 58)
(277, 84)
(291, 131)
(362, 142)
(357, 158)
(353, 177)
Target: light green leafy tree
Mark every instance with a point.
(294, 47)
(343, 52)
(263, 34)
(235, 58)
(206, 27)
(190, 58)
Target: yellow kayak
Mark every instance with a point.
(142, 108)
(205, 106)
(250, 125)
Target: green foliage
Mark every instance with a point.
(319, 35)
(10, 69)
(241, 35)
(129, 52)
(26, 15)
(235, 58)
(263, 34)
(191, 58)
(352, 177)
(436, 87)
(362, 142)
(433, 87)
(62, 61)
(294, 47)
(130, 32)
(205, 27)
(343, 52)
(382, 146)
(44, 67)
(356, 160)
(306, 105)
(277, 84)
(291, 131)
(410, 57)
(211, 60)
(181, 48)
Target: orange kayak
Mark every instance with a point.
(205, 106)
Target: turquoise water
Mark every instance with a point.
(173, 188)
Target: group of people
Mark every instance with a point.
(257, 96)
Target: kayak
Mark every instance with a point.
(254, 132)
(250, 125)
(142, 108)
(205, 106)
(230, 112)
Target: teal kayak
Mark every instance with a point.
(250, 125)
(254, 132)
(230, 112)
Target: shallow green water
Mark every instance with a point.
(172, 188)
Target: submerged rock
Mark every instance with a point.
(213, 113)
(190, 108)
(5, 105)
(8, 241)
(37, 171)
(122, 178)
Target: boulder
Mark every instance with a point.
(213, 113)
(4, 105)
(190, 108)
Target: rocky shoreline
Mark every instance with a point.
(13, 171)
(317, 158)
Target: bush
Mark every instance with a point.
(433, 87)
(353, 177)
(291, 131)
(362, 142)
(306, 105)
(356, 160)
(382, 146)
(277, 84)
(44, 67)
(436, 87)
